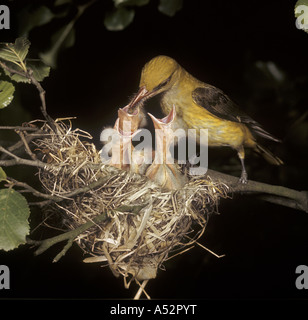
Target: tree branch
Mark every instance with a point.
(20, 161)
(20, 128)
(42, 97)
(31, 78)
(18, 147)
(26, 145)
(278, 194)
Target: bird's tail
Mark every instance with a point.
(267, 155)
(257, 129)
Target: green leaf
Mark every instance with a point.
(63, 38)
(15, 52)
(139, 3)
(119, 19)
(30, 18)
(39, 68)
(15, 76)
(301, 13)
(6, 93)
(170, 7)
(61, 2)
(2, 174)
(14, 224)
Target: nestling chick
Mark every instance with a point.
(123, 154)
(163, 170)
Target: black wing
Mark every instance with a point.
(221, 106)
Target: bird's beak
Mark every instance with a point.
(165, 122)
(127, 124)
(141, 94)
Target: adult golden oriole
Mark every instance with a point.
(202, 106)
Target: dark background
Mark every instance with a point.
(220, 42)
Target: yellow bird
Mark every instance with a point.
(202, 106)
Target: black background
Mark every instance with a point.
(218, 42)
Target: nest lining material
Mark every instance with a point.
(134, 244)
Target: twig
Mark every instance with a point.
(20, 161)
(70, 236)
(30, 77)
(33, 191)
(20, 144)
(287, 197)
(141, 289)
(28, 150)
(210, 251)
(178, 253)
(110, 261)
(281, 201)
(20, 128)
(87, 188)
(42, 93)
(13, 71)
(68, 195)
(40, 204)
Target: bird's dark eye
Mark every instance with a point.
(163, 84)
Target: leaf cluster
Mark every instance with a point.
(14, 209)
(63, 15)
(19, 67)
(123, 13)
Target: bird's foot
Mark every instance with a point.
(244, 177)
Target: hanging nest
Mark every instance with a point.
(143, 225)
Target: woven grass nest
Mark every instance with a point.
(144, 226)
